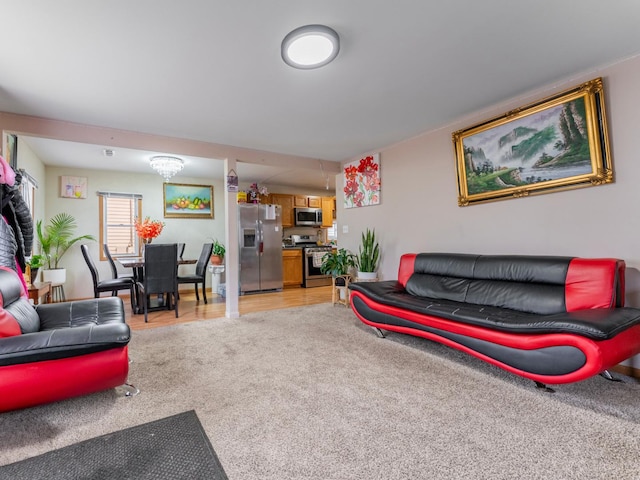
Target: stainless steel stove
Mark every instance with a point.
(312, 254)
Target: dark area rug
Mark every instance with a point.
(175, 447)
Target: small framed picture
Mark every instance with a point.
(73, 187)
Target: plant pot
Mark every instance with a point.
(367, 276)
(216, 260)
(56, 276)
(33, 275)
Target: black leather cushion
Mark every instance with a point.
(524, 283)
(599, 324)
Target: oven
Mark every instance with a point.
(312, 258)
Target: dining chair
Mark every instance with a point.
(200, 274)
(113, 285)
(160, 275)
(181, 250)
(112, 264)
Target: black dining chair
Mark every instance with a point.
(160, 275)
(113, 285)
(181, 250)
(112, 264)
(200, 274)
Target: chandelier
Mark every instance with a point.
(167, 166)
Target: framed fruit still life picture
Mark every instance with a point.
(182, 200)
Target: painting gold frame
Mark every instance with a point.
(559, 143)
(181, 200)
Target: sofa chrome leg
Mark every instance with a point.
(379, 332)
(542, 386)
(128, 390)
(606, 374)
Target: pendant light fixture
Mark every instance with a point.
(166, 166)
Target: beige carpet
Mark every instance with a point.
(311, 393)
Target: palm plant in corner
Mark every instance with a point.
(368, 256)
(55, 239)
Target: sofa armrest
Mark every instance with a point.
(95, 311)
(62, 343)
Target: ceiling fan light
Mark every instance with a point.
(311, 46)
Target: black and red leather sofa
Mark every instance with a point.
(60, 350)
(550, 319)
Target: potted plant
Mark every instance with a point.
(217, 254)
(368, 256)
(36, 262)
(55, 239)
(337, 262)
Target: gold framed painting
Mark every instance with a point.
(183, 200)
(556, 144)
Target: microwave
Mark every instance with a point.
(308, 217)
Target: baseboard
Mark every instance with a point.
(626, 370)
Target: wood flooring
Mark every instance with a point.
(190, 310)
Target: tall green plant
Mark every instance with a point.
(57, 237)
(368, 252)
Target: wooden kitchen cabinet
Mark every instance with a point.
(286, 202)
(292, 267)
(314, 202)
(300, 201)
(328, 211)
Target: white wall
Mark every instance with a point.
(419, 211)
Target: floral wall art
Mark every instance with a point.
(362, 182)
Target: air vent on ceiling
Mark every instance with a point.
(108, 152)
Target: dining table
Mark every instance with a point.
(137, 266)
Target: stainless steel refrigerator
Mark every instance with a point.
(260, 247)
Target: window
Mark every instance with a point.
(28, 191)
(332, 232)
(118, 212)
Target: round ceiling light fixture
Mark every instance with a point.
(311, 46)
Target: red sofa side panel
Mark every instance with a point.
(29, 384)
(406, 269)
(592, 283)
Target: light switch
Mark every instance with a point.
(345, 228)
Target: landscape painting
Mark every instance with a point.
(559, 143)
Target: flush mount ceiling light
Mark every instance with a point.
(167, 166)
(311, 46)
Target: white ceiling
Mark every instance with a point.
(210, 70)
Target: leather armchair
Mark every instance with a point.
(60, 350)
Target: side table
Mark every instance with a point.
(340, 290)
(38, 290)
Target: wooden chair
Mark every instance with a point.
(340, 289)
